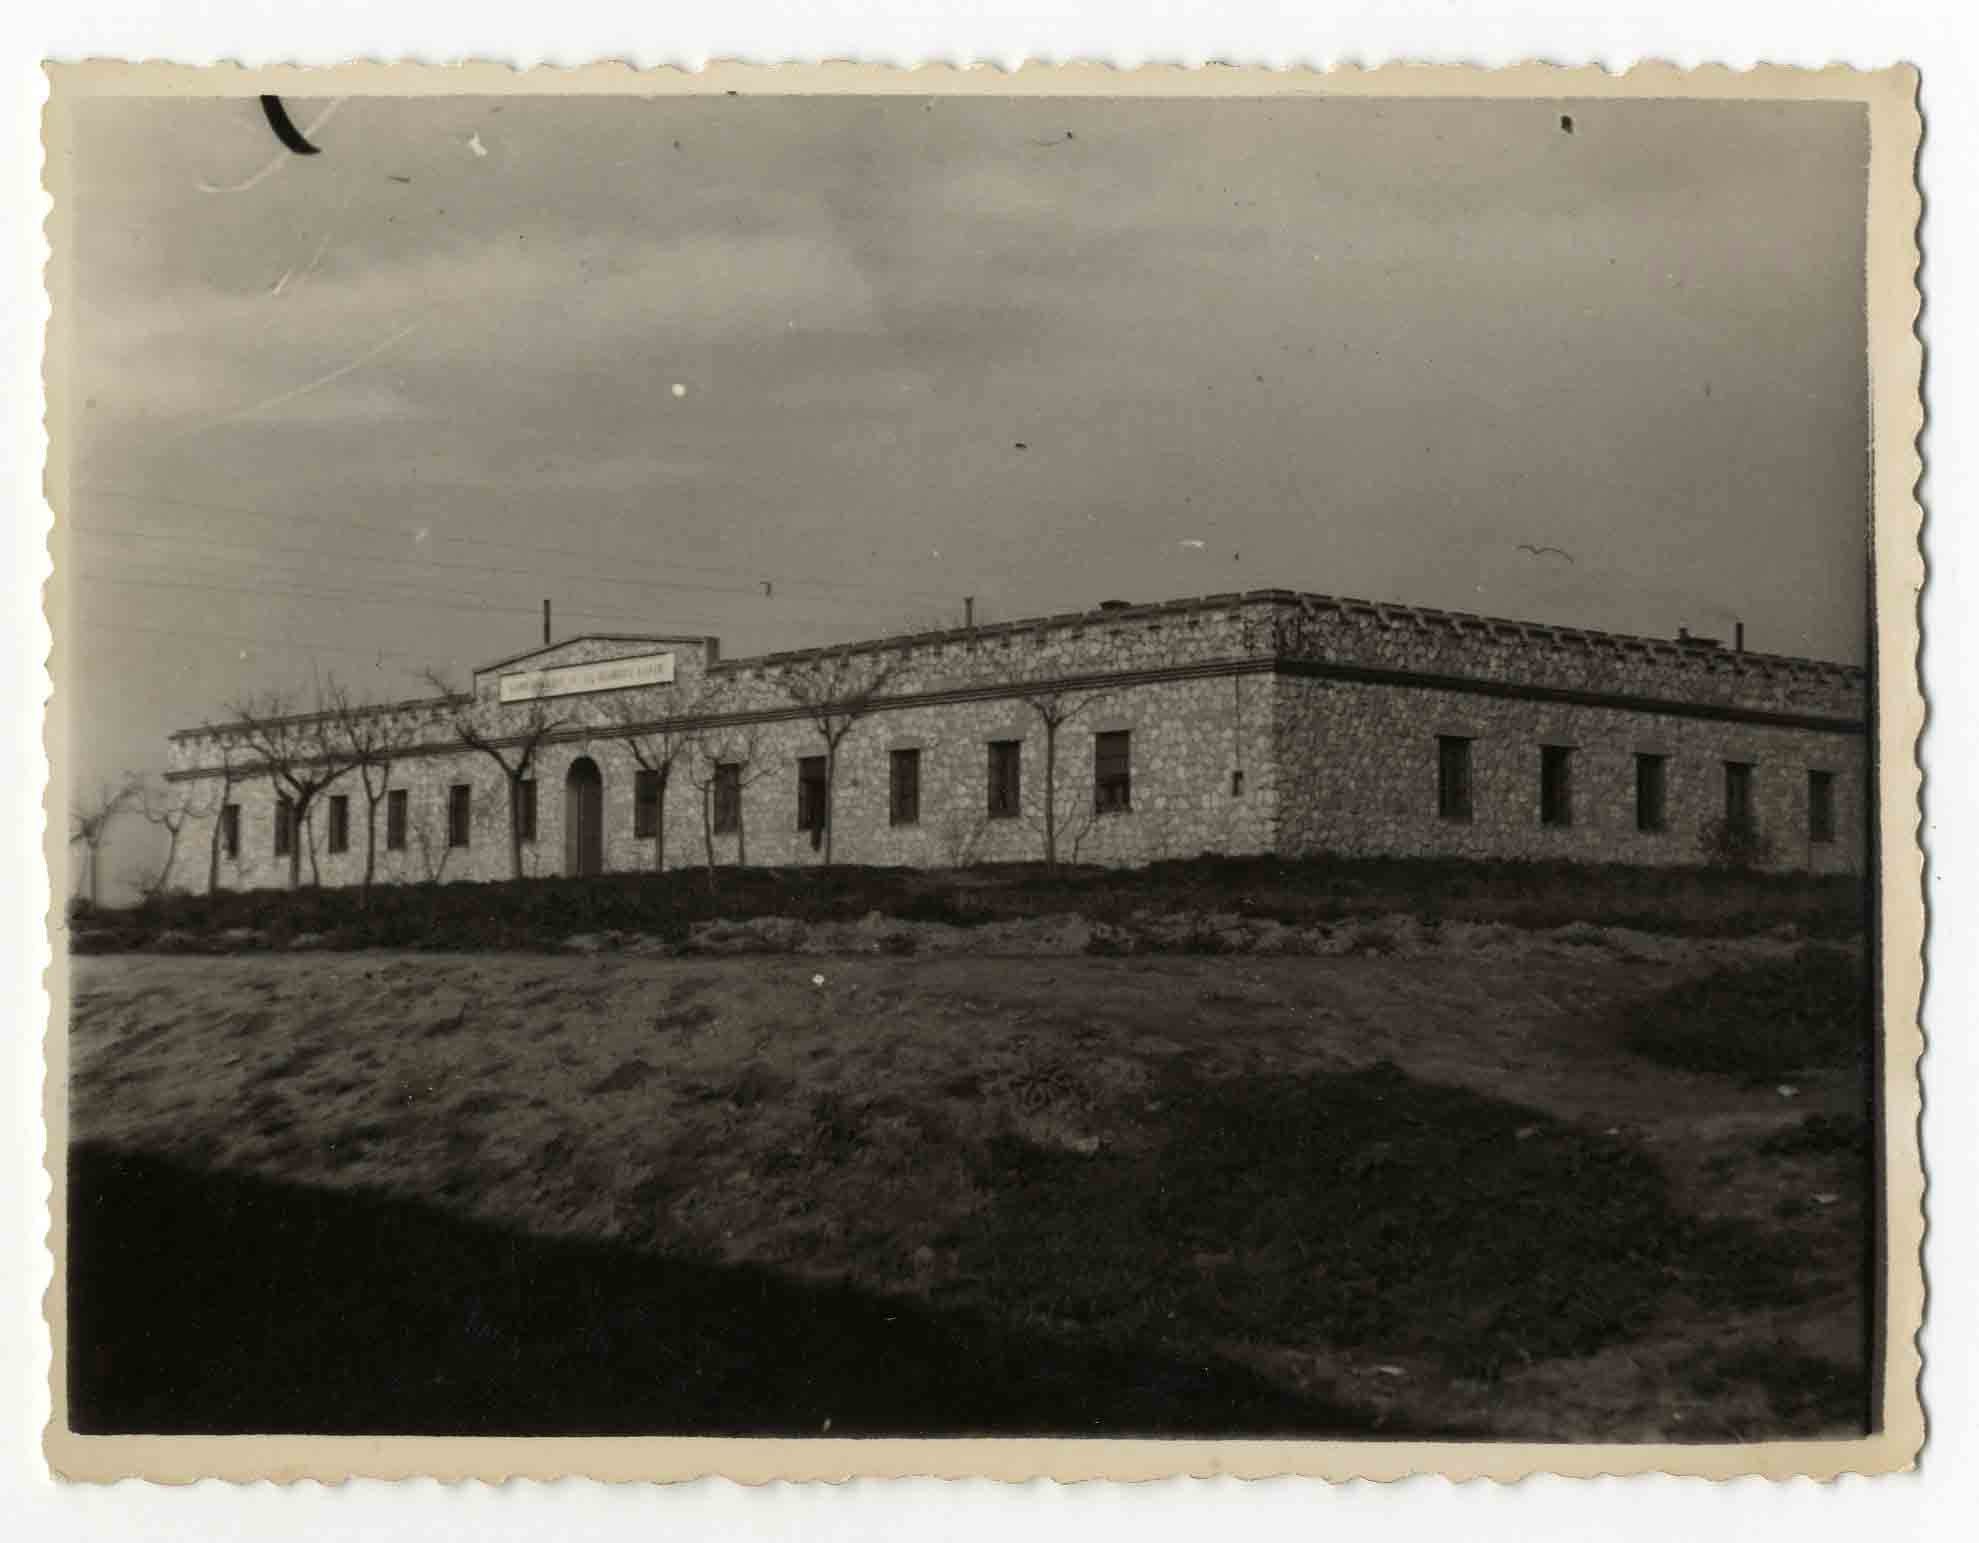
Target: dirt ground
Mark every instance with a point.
(1231, 1157)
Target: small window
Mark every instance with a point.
(1006, 763)
(340, 822)
(1556, 785)
(811, 794)
(1651, 795)
(1113, 781)
(459, 813)
(1738, 792)
(904, 787)
(230, 830)
(525, 809)
(395, 810)
(1237, 784)
(284, 826)
(645, 804)
(728, 798)
(1820, 806)
(1453, 777)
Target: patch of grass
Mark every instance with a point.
(1821, 1135)
(469, 916)
(1373, 938)
(748, 1088)
(627, 1078)
(1363, 1209)
(1809, 1393)
(1760, 1023)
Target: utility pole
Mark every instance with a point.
(546, 623)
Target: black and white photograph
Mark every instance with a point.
(1166, 766)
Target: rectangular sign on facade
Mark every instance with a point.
(603, 675)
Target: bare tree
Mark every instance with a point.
(231, 775)
(740, 749)
(90, 821)
(169, 808)
(1055, 707)
(370, 740)
(299, 758)
(835, 690)
(657, 746)
(434, 855)
(510, 741)
(701, 777)
(961, 835)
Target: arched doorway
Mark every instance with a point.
(584, 818)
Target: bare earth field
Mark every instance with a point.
(1424, 1191)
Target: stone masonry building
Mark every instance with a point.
(1265, 722)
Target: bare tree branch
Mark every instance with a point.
(90, 820)
(1055, 707)
(370, 739)
(835, 690)
(297, 755)
(656, 745)
(509, 735)
(170, 808)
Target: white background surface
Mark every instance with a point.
(1940, 38)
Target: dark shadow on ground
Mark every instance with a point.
(221, 1304)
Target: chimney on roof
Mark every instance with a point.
(1738, 636)
(546, 623)
(969, 612)
(1683, 634)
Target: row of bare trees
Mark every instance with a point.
(302, 753)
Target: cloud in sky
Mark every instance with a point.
(1358, 347)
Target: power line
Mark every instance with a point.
(521, 546)
(259, 642)
(391, 591)
(298, 592)
(399, 562)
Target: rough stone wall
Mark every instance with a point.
(1186, 739)
(1358, 775)
(1328, 764)
(1361, 634)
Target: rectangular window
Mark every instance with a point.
(728, 798)
(284, 826)
(1006, 764)
(459, 813)
(811, 793)
(1113, 780)
(1651, 798)
(1453, 777)
(339, 822)
(1738, 792)
(395, 810)
(904, 788)
(1236, 784)
(525, 809)
(1820, 806)
(230, 830)
(645, 804)
(1556, 785)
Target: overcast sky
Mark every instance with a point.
(791, 371)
